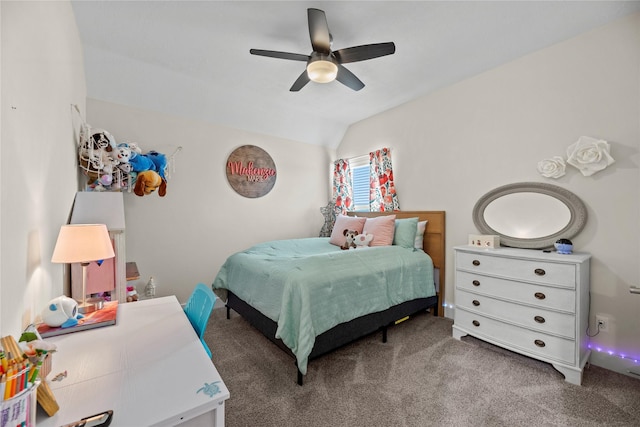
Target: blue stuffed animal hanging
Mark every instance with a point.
(141, 162)
(159, 160)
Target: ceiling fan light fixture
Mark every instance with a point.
(322, 71)
(323, 64)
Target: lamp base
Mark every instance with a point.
(90, 305)
(86, 307)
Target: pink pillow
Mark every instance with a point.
(382, 228)
(345, 222)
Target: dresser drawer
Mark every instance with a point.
(527, 293)
(515, 338)
(518, 269)
(529, 317)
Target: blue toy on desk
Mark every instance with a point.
(61, 312)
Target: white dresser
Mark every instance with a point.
(527, 301)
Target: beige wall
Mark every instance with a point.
(184, 238)
(453, 146)
(42, 75)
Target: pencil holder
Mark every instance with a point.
(20, 410)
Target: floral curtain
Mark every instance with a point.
(382, 193)
(342, 186)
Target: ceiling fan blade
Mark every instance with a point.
(348, 79)
(281, 55)
(364, 52)
(319, 31)
(300, 82)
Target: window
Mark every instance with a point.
(354, 188)
(360, 185)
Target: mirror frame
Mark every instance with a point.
(577, 210)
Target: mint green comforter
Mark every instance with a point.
(308, 286)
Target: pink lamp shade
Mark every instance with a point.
(82, 243)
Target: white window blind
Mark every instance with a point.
(360, 182)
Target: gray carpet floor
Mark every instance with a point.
(420, 377)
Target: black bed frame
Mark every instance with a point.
(339, 335)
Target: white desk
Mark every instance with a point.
(149, 368)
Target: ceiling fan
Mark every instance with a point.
(324, 65)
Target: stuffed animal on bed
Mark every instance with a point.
(363, 240)
(350, 239)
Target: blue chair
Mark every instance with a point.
(198, 309)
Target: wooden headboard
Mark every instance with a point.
(434, 240)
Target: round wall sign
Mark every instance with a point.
(251, 171)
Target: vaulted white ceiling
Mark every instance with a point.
(191, 58)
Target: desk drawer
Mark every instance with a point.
(527, 293)
(536, 344)
(518, 269)
(530, 317)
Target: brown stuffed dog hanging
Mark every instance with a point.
(147, 182)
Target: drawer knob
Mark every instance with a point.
(539, 272)
(476, 262)
(539, 295)
(476, 302)
(476, 323)
(539, 319)
(539, 343)
(476, 283)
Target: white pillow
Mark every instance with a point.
(422, 226)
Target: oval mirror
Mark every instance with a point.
(530, 214)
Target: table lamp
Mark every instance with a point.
(83, 243)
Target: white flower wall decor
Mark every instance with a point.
(552, 168)
(589, 155)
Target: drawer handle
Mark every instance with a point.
(539, 319)
(476, 262)
(476, 283)
(539, 343)
(539, 272)
(476, 302)
(476, 323)
(539, 295)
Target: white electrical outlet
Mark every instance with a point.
(602, 323)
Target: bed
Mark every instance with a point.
(310, 297)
